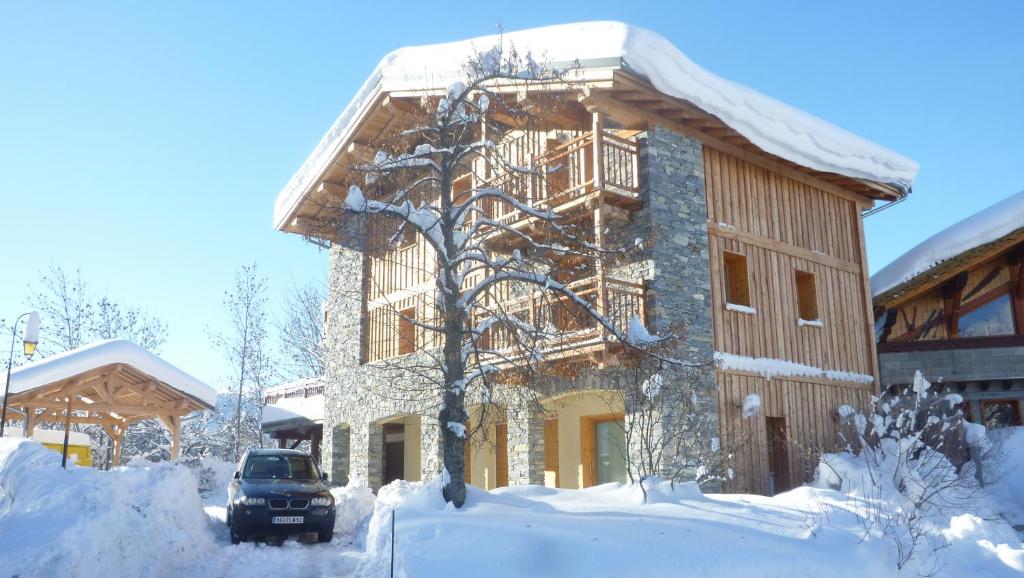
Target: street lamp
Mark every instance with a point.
(30, 339)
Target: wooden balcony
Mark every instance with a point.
(574, 331)
(567, 178)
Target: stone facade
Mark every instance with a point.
(675, 267)
(976, 374)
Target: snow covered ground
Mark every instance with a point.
(168, 520)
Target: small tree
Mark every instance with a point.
(246, 347)
(301, 331)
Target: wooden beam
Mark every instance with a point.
(626, 114)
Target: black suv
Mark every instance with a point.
(279, 492)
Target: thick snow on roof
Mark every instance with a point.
(76, 361)
(773, 126)
(980, 228)
(289, 408)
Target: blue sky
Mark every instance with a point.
(145, 142)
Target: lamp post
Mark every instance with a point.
(29, 341)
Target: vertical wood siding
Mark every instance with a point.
(782, 226)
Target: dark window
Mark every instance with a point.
(737, 290)
(997, 413)
(806, 296)
(276, 467)
(992, 318)
(406, 331)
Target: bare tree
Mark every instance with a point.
(73, 315)
(246, 347)
(301, 330)
(447, 178)
(671, 429)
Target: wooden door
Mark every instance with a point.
(551, 453)
(778, 456)
(501, 454)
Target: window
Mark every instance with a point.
(279, 467)
(737, 291)
(408, 236)
(997, 413)
(602, 449)
(992, 318)
(406, 331)
(806, 296)
(610, 442)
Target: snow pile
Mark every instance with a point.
(768, 368)
(353, 503)
(608, 531)
(773, 126)
(294, 408)
(980, 228)
(71, 363)
(751, 405)
(638, 335)
(1004, 466)
(213, 475)
(134, 521)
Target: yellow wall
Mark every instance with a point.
(413, 446)
(483, 466)
(569, 410)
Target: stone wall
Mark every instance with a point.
(952, 364)
(679, 291)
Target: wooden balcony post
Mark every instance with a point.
(602, 295)
(598, 153)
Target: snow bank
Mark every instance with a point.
(82, 359)
(606, 531)
(1004, 466)
(133, 521)
(773, 126)
(982, 227)
(353, 503)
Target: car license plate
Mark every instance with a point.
(287, 520)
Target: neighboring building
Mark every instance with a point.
(293, 412)
(953, 308)
(753, 210)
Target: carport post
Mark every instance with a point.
(67, 435)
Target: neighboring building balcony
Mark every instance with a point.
(563, 179)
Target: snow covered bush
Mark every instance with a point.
(907, 462)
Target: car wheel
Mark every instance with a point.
(325, 534)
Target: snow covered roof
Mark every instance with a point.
(981, 228)
(775, 127)
(297, 410)
(77, 361)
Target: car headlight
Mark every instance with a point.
(254, 501)
(321, 501)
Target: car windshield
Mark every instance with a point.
(271, 467)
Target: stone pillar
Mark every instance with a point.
(373, 459)
(335, 448)
(525, 445)
(679, 291)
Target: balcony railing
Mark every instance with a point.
(569, 325)
(565, 175)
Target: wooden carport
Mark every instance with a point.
(110, 383)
